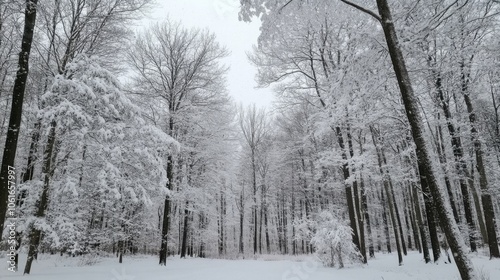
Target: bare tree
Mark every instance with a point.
(181, 70)
(254, 126)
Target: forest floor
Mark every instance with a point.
(267, 267)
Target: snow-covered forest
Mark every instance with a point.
(120, 140)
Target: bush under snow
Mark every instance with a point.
(333, 241)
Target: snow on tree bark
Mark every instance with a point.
(423, 152)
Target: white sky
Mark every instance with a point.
(221, 18)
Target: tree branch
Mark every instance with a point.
(364, 10)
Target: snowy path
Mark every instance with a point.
(266, 268)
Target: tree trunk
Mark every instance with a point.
(261, 220)
(393, 220)
(407, 222)
(357, 200)
(10, 149)
(430, 212)
(390, 195)
(242, 216)
(202, 228)
(120, 251)
(442, 157)
(268, 240)
(443, 208)
(348, 192)
(30, 166)
(477, 204)
(34, 232)
(191, 234)
(385, 221)
(285, 226)
(185, 231)
(371, 248)
(254, 207)
(399, 225)
(222, 224)
(421, 226)
(458, 153)
(166, 214)
(489, 213)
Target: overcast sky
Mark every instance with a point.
(221, 17)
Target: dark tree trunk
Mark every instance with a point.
(413, 220)
(430, 212)
(424, 158)
(390, 195)
(407, 223)
(268, 240)
(30, 166)
(254, 206)
(357, 201)
(185, 231)
(489, 213)
(167, 205)
(279, 227)
(285, 226)
(385, 221)
(459, 162)
(261, 219)
(398, 219)
(191, 235)
(442, 157)
(348, 192)
(34, 233)
(371, 248)
(27, 176)
(202, 241)
(120, 251)
(394, 221)
(420, 224)
(399, 225)
(222, 224)
(10, 149)
(477, 204)
(242, 216)
(166, 214)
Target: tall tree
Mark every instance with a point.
(10, 148)
(181, 67)
(254, 127)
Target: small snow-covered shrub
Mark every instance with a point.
(89, 259)
(333, 241)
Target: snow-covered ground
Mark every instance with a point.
(384, 267)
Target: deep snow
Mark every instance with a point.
(383, 267)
